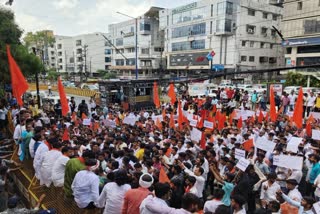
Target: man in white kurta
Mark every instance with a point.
(49, 159)
(59, 167)
(38, 158)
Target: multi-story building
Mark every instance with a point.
(301, 30)
(149, 45)
(240, 33)
(82, 54)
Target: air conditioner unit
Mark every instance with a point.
(250, 31)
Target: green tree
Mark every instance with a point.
(106, 74)
(297, 79)
(10, 33)
(40, 39)
(52, 75)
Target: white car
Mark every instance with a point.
(288, 89)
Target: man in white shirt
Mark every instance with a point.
(294, 193)
(39, 155)
(85, 186)
(269, 190)
(310, 103)
(59, 166)
(212, 205)
(162, 193)
(292, 97)
(237, 202)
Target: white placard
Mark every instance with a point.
(208, 124)
(110, 123)
(289, 162)
(265, 145)
(276, 160)
(243, 164)
(239, 153)
(86, 122)
(193, 122)
(315, 134)
(196, 134)
(290, 113)
(293, 144)
(316, 115)
(316, 207)
(129, 120)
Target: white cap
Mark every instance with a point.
(145, 184)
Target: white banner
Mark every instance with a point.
(243, 164)
(289, 162)
(196, 134)
(208, 124)
(265, 145)
(239, 153)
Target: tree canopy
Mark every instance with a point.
(295, 78)
(10, 34)
(39, 39)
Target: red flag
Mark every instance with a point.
(248, 145)
(222, 120)
(156, 99)
(211, 139)
(74, 116)
(65, 136)
(164, 114)
(18, 82)
(63, 98)
(203, 141)
(171, 123)
(260, 118)
(239, 124)
(267, 116)
(232, 115)
(298, 110)
(214, 109)
(163, 177)
(158, 123)
(309, 130)
(273, 114)
(172, 94)
(83, 116)
(168, 153)
(310, 119)
(180, 116)
(218, 114)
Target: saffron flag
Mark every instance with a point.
(74, 116)
(298, 110)
(273, 114)
(18, 82)
(222, 120)
(260, 118)
(63, 98)
(232, 115)
(310, 119)
(248, 145)
(163, 177)
(171, 123)
(156, 99)
(180, 116)
(83, 116)
(158, 123)
(164, 114)
(309, 130)
(239, 124)
(203, 141)
(172, 94)
(65, 136)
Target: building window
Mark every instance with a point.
(79, 51)
(274, 17)
(131, 62)
(272, 60)
(79, 59)
(180, 16)
(145, 50)
(251, 58)
(211, 10)
(107, 51)
(190, 30)
(273, 32)
(59, 53)
(60, 60)
(251, 12)
(262, 44)
(243, 43)
(264, 31)
(59, 46)
(119, 62)
(251, 29)
(311, 26)
(299, 7)
(309, 49)
(243, 58)
(229, 9)
(288, 50)
(211, 27)
(107, 44)
(251, 44)
(107, 59)
(130, 50)
(60, 67)
(194, 45)
(263, 59)
(225, 8)
(271, 46)
(144, 27)
(119, 42)
(224, 25)
(158, 49)
(265, 15)
(78, 42)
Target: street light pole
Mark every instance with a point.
(136, 43)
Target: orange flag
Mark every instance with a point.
(172, 94)
(248, 145)
(171, 123)
(168, 153)
(260, 118)
(96, 126)
(63, 98)
(117, 121)
(309, 130)
(267, 116)
(310, 119)
(83, 116)
(280, 110)
(163, 177)
(273, 114)
(203, 141)
(239, 124)
(298, 110)
(18, 82)
(65, 136)
(158, 123)
(74, 117)
(180, 116)
(211, 139)
(156, 99)
(232, 115)
(222, 120)
(164, 114)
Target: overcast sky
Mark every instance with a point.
(73, 17)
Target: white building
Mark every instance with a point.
(239, 32)
(84, 54)
(150, 43)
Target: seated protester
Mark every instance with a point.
(305, 206)
(269, 189)
(190, 185)
(85, 185)
(189, 204)
(237, 202)
(162, 194)
(197, 173)
(212, 205)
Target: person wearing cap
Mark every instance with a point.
(113, 193)
(85, 186)
(134, 197)
(237, 202)
(293, 193)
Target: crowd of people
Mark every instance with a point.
(155, 164)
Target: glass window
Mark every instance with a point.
(264, 30)
(225, 8)
(119, 61)
(189, 15)
(271, 46)
(262, 44)
(299, 6)
(251, 12)
(251, 29)
(227, 26)
(229, 9)
(251, 44)
(59, 53)
(59, 46)
(251, 58)
(243, 58)
(243, 43)
(311, 26)
(272, 60)
(78, 42)
(274, 17)
(145, 27)
(194, 45)
(107, 59)
(309, 49)
(145, 50)
(288, 50)
(107, 51)
(130, 61)
(263, 59)
(119, 42)
(273, 32)
(308, 60)
(265, 15)
(190, 30)
(224, 25)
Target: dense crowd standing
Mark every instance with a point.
(153, 166)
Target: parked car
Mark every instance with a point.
(288, 89)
